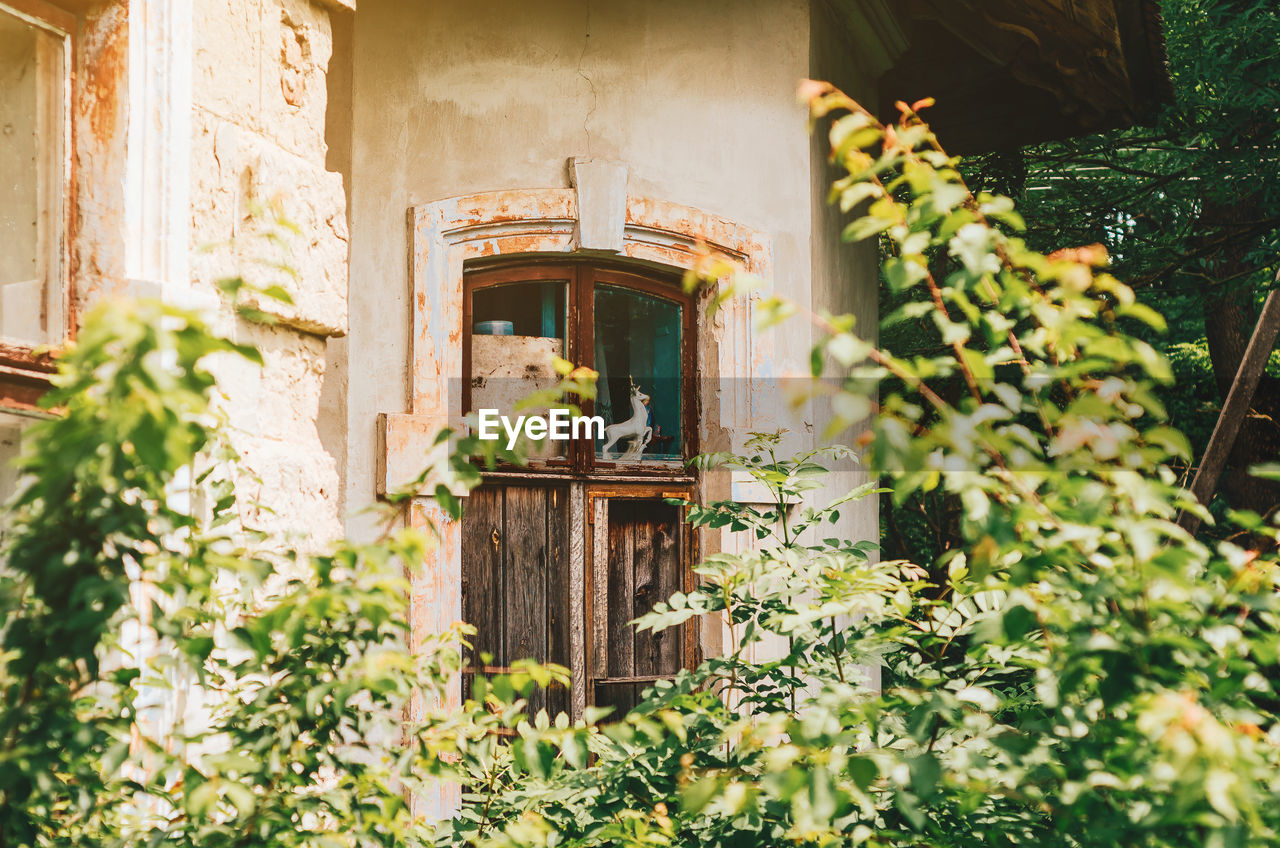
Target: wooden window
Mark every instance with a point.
(35, 77)
(518, 320)
(542, 578)
(635, 329)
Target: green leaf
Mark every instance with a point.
(864, 228)
(848, 349)
(1266, 470)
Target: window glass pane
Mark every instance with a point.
(516, 330)
(637, 352)
(32, 104)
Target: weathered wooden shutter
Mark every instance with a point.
(515, 579)
(637, 560)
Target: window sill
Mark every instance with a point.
(663, 475)
(24, 377)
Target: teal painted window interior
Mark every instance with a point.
(637, 343)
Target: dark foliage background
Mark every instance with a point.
(1188, 206)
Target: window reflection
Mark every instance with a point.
(637, 352)
(32, 106)
(517, 329)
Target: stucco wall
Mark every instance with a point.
(844, 275)
(452, 98)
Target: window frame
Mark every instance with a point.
(25, 370)
(582, 275)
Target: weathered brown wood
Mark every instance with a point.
(578, 584)
(621, 571)
(668, 643)
(482, 543)
(516, 582)
(24, 376)
(644, 566)
(524, 591)
(647, 525)
(657, 577)
(620, 696)
(26, 359)
(1236, 407)
(1064, 55)
(1011, 72)
(636, 536)
(557, 582)
(599, 612)
(585, 608)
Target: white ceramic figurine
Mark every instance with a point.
(635, 428)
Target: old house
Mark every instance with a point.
(479, 186)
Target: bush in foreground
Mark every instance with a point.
(1088, 674)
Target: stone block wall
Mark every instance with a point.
(258, 99)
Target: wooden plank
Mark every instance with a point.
(621, 569)
(54, 16)
(557, 582)
(524, 590)
(658, 577)
(1236, 407)
(600, 588)
(642, 564)
(621, 696)
(1015, 71)
(482, 534)
(644, 527)
(669, 567)
(621, 608)
(578, 529)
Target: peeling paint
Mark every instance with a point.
(104, 50)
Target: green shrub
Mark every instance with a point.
(1084, 673)
(1081, 672)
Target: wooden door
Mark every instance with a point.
(515, 580)
(638, 558)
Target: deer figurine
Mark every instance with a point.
(635, 428)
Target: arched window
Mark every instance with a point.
(634, 328)
(559, 556)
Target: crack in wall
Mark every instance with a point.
(595, 94)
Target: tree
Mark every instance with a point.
(1189, 209)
